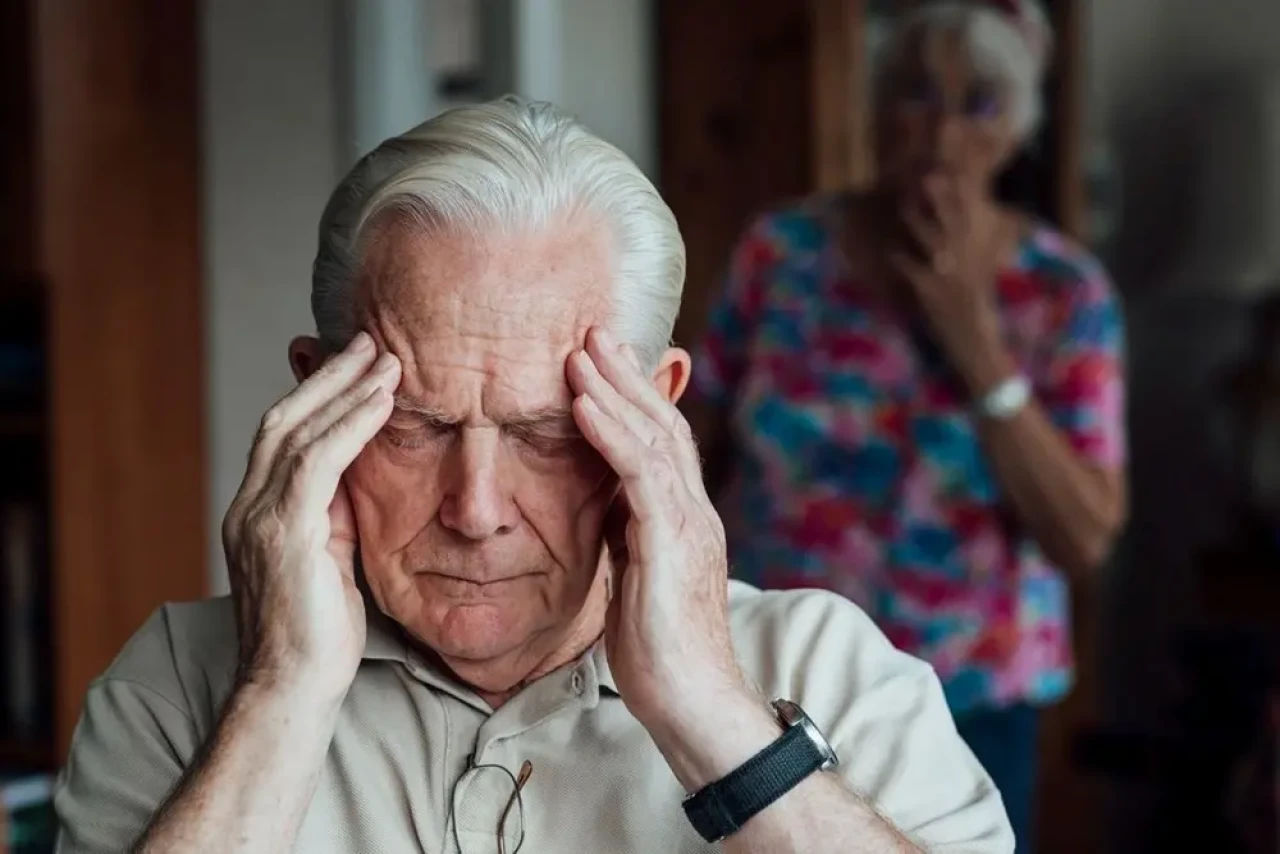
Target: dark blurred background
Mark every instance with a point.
(163, 164)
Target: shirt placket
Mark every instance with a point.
(485, 797)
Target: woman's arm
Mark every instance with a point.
(1059, 461)
(1074, 508)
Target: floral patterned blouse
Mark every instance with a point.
(856, 464)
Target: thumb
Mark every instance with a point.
(343, 537)
(616, 521)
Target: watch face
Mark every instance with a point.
(792, 715)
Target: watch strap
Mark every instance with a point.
(721, 808)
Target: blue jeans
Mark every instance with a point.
(1006, 742)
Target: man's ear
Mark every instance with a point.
(304, 356)
(671, 377)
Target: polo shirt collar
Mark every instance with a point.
(604, 675)
(383, 639)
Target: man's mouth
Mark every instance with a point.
(462, 587)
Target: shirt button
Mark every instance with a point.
(576, 682)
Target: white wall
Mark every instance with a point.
(609, 73)
(1141, 44)
(280, 128)
(1152, 62)
(595, 58)
(386, 83)
(270, 160)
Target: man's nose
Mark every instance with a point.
(478, 503)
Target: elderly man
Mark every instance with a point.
(479, 596)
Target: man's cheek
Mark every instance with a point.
(387, 497)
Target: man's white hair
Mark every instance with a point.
(506, 167)
(1013, 49)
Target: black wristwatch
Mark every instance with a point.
(721, 808)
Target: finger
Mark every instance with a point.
(342, 527)
(585, 375)
(637, 466)
(924, 230)
(945, 197)
(623, 373)
(920, 276)
(328, 381)
(620, 368)
(615, 534)
(385, 373)
(585, 379)
(316, 472)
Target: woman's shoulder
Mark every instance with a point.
(1060, 258)
(1065, 269)
(798, 225)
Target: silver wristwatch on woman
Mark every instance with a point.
(1006, 400)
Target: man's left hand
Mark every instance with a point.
(668, 627)
(667, 633)
(954, 283)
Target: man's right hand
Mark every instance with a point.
(291, 543)
(290, 534)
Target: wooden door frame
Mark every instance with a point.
(118, 241)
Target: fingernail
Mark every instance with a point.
(361, 341)
(385, 362)
(605, 338)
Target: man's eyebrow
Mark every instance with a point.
(539, 417)
(426, 412)
(546, 416)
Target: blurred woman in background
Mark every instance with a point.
(913, 396)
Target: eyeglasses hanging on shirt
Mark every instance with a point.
(512, 811)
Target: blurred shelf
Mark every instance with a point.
(22, 425)
(26, 755)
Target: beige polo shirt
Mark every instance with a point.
(416, 763)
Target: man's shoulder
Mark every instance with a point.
(813, 641)
(784, 618)
(185, 652)
(883, 712)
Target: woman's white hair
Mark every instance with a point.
(504, 167)
(1012, 48)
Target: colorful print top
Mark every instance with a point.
(856, 464)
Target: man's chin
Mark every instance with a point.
(471, 635)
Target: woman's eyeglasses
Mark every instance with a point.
(980, 100)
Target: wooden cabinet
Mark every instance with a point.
(735, 124)
(100, 210)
